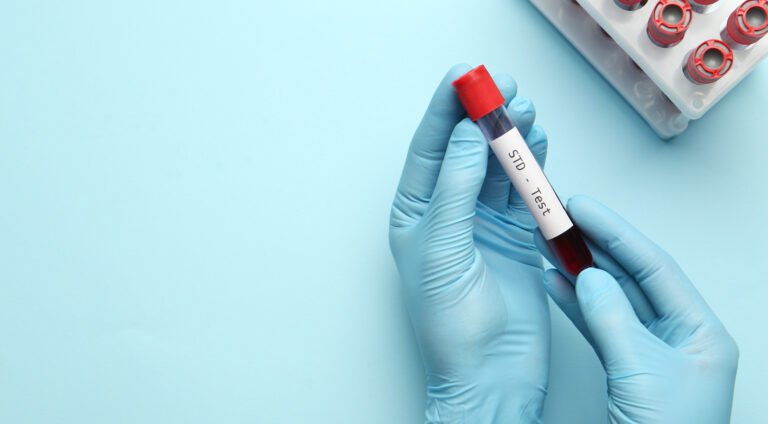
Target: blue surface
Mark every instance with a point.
(195, 198)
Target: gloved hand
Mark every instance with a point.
(462, 240)
(667, 356)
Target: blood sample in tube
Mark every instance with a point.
(669, 22)
(485, 105)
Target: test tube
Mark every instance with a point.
(485, 105)
(669, 22)
(631, 4)
(704, 6)
(708, 62)
(747, 24)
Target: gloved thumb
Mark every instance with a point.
(612, 323)
(454, 200)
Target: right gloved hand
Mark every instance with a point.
(667, 356)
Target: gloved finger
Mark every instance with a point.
(495, 191)
(537, 142)
(507, 85)
(670, 293)
(454, 201)
(425, 155)
(523, 114)
(643, 309)
(609, 316)
(603, 261)
(564, 295)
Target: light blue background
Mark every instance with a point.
(194, 201)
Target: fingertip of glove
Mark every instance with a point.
(507, 85)
(458, 70)
(522, 106)
(593, 279)
(576, 200)
(466, 130)
(551, 277)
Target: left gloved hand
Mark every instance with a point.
(667, 357)
(462, 241)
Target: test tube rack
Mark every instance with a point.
(652, 78)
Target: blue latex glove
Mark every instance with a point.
(667, 356)
(462, 240)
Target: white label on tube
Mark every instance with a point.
(529, 180)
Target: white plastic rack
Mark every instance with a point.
(652, 78)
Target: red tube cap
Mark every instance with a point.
(478, 93)
(669, 22)
(749, 22)
(629, 3)
(709, 62)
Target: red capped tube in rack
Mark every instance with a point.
(631, 4)
(709, 62)
(747, 24)
(669, 22)
(704, 6)
(485, 105)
